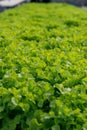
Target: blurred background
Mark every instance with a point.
(6, 4)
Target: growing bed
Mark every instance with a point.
(43, 68)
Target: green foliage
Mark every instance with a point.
(43, 68)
